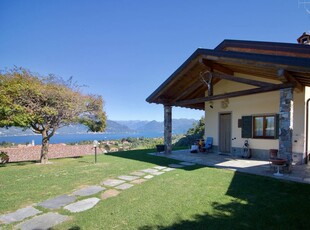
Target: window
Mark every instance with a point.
(264, 126)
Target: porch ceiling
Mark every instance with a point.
(186, 83)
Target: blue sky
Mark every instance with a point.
(124, 49)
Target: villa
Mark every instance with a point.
(249, 90)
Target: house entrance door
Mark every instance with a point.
(225, 132)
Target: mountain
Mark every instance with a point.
(152, 126)
(115, 127)
(133, 124)
(179, 126)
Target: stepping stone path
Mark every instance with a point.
(138, 181)
(82, 205)
(128, 178)
(148, 177)
(50, 219)
(160, 167)
(109, 193)
(57, 202)
(19, 215)
(112, 182)
(168, 169)
(149, 170)
(44, 221)
(138, 173)
(91, 190)
(124, 186)
(157, 173)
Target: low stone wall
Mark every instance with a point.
(32, 153)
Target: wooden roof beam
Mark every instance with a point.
(242, 80)
(236, 94)
(286, 77)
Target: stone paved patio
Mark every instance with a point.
(299, 173)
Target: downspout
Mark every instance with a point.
(307, 121)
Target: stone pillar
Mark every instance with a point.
(168, 129)
(286, 123)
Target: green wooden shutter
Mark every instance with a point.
(246, 131)
(277, 126)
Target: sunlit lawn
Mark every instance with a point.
(193, 198)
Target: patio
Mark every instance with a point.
(299, 173)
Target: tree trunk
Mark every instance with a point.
(44, 148)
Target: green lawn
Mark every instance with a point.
(193, 198)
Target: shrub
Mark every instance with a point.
(4, 158)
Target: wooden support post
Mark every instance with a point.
(168, 129)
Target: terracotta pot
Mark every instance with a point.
(278, 161)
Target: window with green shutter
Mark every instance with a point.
(260, 126)
(246, 131)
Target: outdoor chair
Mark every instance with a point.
(273, 154)
(209, 143)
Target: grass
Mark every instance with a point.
(192, 198)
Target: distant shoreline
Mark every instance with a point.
(74, 138)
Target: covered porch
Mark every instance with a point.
(279, 71)
(300, 173)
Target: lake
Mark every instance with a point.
(72, 138)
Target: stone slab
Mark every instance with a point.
(138, 181)
(124, 186)
(186, 163)
(82, 205)
(148, 177)
(149, 170)
(43, 222)
(160, 167)
(90, 190)
(109, 193)
(128, 178)
(57, 202)
(113, 182)
(157, 173)
(176, 166)
(19, 215)
(138, 173)
(168, 169)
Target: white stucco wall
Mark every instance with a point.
(264, 103)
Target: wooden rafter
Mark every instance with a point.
(189, 90)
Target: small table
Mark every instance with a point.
(278, 162)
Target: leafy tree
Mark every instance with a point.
(45, 104)
(193, 134)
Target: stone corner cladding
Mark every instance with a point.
(32, 153)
